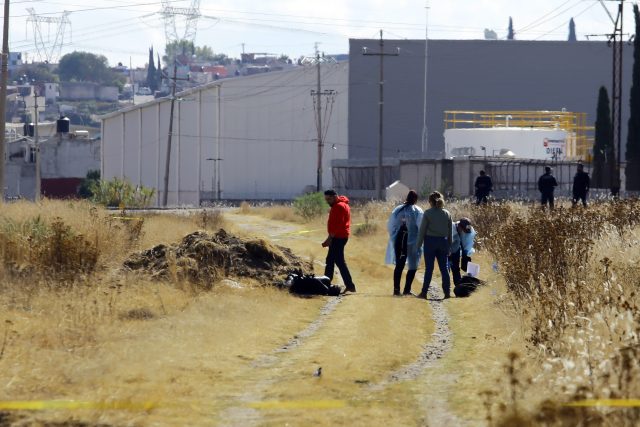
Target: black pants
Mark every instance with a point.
(582, 195)
(481, 197)
(547, 198)
(457, 262)
(335, 256)
(454, 265)
(400, 246)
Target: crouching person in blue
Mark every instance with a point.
(463, 236)
(403, 227)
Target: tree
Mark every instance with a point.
(204, 53)
(572, 31)
(490, 34)
(38, 72)
(182, 50)
(602, 147)
(633, 134)
(87, 67)
(152, 77)
(511, 35)
(221, 59)
(159, 72)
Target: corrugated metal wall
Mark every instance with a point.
(243, 138)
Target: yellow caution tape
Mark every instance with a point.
(299, 404)
(617, 403)
(127, 218)
(313, 231)
(39, 405)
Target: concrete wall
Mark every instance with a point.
(261, 127)
(20, 180)
(87, 92)
(69, 158)
(471, 75)
(511, 178)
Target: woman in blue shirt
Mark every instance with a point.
(461, 247)
(403, 227)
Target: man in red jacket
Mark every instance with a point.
(339, 227)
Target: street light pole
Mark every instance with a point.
(36, 142)
(4, 72)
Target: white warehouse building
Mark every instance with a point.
(241, 138)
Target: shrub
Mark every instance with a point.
(120, 192)
(368, 226)
(245, 208)
(54, 249)
(91, 181)
(310, 205)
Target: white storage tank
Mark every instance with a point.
(520, 142)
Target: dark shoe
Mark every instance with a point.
(351, 288)
(447, 296)
(408, 293)
(396, 292)
(422, 295)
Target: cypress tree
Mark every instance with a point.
(159, 72)
(151, 72)
(602, 147)
(633, 134)
(511, 35)
(572, 31)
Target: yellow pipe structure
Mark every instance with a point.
(580, 135)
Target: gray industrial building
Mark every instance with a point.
(471, 75)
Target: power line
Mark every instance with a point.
(536, 21)
(565, 23)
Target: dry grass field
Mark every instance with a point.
(94, 344)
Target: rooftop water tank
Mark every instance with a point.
(28, 129)
(62, 125)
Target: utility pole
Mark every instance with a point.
(381, 54)
(36, 143)
(615, 40)
(317, 95)
(4, 72)
(175, 78)
(425, 145)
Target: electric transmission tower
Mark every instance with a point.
(190, 14)
(49, 45)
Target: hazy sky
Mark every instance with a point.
(124, 29)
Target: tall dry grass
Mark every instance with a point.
(572, 278)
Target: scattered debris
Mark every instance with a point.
(204, 258)
(142, 313)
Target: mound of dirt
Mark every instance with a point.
(204, 258)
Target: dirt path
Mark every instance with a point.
(273, 371)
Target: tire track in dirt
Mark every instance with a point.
(242, 414)
(441, 343)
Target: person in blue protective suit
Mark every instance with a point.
(403, 227)
(461, 247)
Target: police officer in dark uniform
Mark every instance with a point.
(484, 186)
(581, 184)
(546, 184)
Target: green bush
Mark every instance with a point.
(310, 205)
(121, 193)
(92, 179)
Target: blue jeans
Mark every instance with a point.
(436, 248)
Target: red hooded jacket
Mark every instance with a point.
(339, 224)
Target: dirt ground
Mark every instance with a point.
(243, 356)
